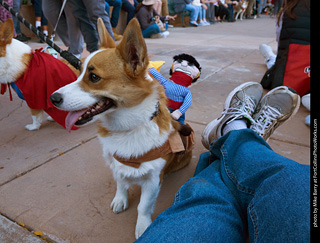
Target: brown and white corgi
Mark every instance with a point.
(134, 123)
(240, 9)
(34, 75)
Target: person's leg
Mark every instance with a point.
(16, 7)
(87, 28)
(96, 11)
(51, 10)
(241, 186)
(107, 7)
(230, 14)
(249, 8)
(129, 8)
(151, 30)
(204, 209)
(261, 6)
(165, 9)
(75, 35)
(274, 190)
(194, 12)
(115, 11)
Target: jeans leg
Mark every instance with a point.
(204, 211)
(241, 188)
(194, 12)
(272, 189)
(115, 11)
(16, 7)
(152, 29)
(127, 6)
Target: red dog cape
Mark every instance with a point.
(45, 74)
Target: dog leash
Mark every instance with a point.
(15, 87)
(65, 54)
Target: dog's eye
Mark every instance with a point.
(94, 78)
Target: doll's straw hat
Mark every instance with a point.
(148, 2)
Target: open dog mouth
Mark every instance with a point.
(82, 117)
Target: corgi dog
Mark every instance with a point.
(134, 124)
(34, 75)
(240, 9)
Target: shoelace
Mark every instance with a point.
(265, 120)
(242, 111)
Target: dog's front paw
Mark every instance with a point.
(119, 204)
(32, 127)
(142, 224)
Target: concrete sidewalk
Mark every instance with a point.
(57, 182)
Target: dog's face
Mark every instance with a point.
(112, 78)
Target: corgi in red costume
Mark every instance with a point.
(33, 75)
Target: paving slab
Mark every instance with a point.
(58, 183)
(13, 233)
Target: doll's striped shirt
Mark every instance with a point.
(179, 96)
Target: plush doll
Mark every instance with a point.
(184, 71)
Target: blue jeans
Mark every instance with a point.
(38, 11)
(151, 30)
(194, 12)
(16, 7)
(115, 11)
(240, 189)
(131, 10)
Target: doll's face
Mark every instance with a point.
(185, 67)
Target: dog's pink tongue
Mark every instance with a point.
(72, 118)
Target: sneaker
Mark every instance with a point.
(240, 103)
(201, 23)
(165, 34)
(194, 23)
(275, 108)
(22, 38)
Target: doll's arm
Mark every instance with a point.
(158, 76)
(186, 103)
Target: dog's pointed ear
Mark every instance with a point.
(6, 32)
(133, 49)
(106, 40)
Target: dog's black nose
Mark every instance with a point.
(56, 99)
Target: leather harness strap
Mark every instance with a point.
(174, 144)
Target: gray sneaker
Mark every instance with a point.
(276, 107)
(240, 103)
